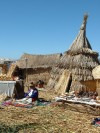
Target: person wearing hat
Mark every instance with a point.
(33, 92)
(31, 96)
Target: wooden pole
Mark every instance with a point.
(26, 62)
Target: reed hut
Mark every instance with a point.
(37, 67)
(79, 60)
(96, 72)
(96, 75)
(4, 66)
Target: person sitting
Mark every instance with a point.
(32, 93)
(40, 84)
(31, 96)
(93, 95)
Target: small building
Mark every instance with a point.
(4, 66)
(79, 60)
(37, 67)
(96, 75)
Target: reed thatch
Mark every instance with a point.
(37, 67)
(80, 53)
(96, 72)
(11, 70)
(92, 85)
(80, 60)
(38, 61)
(63, 82)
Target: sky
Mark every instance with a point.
(46, 26)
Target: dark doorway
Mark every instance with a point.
(69, 84)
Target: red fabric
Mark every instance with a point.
(34, 99)
(98, 122)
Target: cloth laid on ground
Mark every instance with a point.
(27, 104)
(96, 122)
(42, 102)
(74, 99)
(16, 104)
(24, 101)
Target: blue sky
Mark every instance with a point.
(45, 26)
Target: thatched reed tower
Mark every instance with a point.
(79, 60)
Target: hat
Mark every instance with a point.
(31, 84)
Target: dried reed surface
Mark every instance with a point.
(54, 118)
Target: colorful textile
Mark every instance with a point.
(96, 122)
(7, 103)
(39, 102)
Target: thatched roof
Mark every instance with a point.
(80, 53)
(81, 43)
(38, 61)
(96, 72)
(80, 60)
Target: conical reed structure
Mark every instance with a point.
(80, 59)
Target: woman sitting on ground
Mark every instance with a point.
(31, 96)
(32, 93)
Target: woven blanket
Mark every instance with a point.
(7, 103)
(16, 104)
(96, 122)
